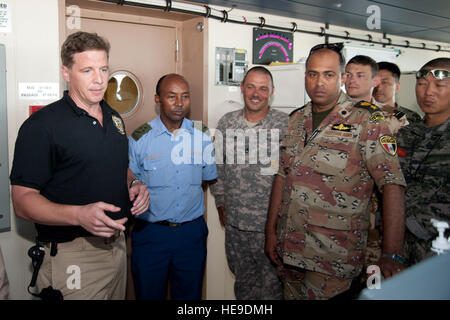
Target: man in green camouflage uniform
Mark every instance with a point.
(424, 150)
(332, 155)
(247, 153)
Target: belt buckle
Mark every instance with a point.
(174, 224)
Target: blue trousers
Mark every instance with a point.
(162, 252)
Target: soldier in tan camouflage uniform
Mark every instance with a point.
(424, 150)
(243, 187)
(396, 117)
(362, 79)
(332, 155)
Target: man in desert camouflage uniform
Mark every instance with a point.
(396, 117)
(245, 179)
(424, 150)
(364, 77)
(332, 155)
(361, 80)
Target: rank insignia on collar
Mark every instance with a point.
(118, 123)
(376, 117)
(389, 144)
(341, 127)
(368, 106)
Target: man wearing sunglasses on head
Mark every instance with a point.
(424, 151)
(332, 156)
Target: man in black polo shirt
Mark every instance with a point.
(70, 176)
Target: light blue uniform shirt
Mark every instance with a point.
(172, 166)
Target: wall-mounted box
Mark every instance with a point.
(289, 84)
(231, 65)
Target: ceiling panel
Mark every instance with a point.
(428, 20)
(433, 7)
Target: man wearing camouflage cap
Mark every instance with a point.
(332, 155)
(424, 151)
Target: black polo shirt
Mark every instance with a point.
(71, 159)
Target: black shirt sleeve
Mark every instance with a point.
(33, 155)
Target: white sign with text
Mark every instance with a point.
(38, 91)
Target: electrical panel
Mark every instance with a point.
(231, 65)
(5, 222)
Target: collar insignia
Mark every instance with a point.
(377, 117)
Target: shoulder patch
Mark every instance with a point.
(199, 125)
(389, 144)
(368, 106)
(139, 132)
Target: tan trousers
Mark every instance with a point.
(301, 284)
(4, 283)
(86, 269)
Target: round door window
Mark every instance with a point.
(124, 92)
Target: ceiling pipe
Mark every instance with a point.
(225, 16)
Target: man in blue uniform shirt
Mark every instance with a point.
(172, 155)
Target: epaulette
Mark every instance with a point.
(139, 132)
(399, 114)
(199, 125)
(290, 114)
(368, 106)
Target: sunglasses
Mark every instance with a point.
(437, 73)
(337, 47)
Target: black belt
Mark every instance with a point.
(174, 224)
(54, 244)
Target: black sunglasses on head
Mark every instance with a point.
(337, 47)
(437, 73)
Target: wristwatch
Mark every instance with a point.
(133, 182)
(395, 257)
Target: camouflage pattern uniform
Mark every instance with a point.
(244, 190)
(410, 115)
(395, 118)
(424, 154)
(329, 177)
(398, 117)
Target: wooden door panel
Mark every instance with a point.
(147, 51)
